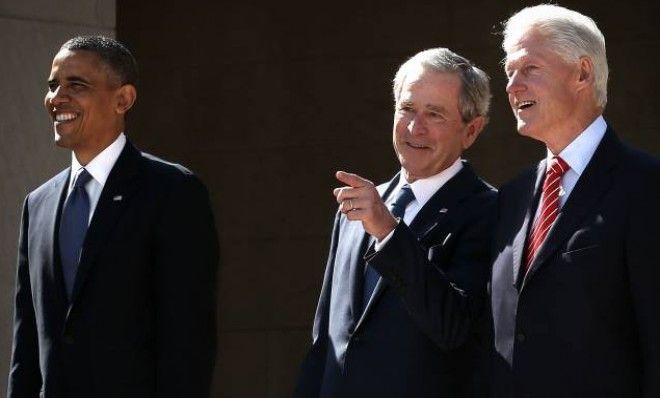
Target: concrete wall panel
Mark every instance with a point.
(31, 32)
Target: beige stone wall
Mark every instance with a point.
(31, 32)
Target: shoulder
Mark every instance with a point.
(53, 186)
(522, 179)
(159, 166)
(168, 174)
(477, 190)
(640, 161)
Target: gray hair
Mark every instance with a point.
(474, 98)
(570, 34)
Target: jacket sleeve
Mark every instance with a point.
(185, 263)
(24, 374)
(313, 366)
(643, 260)
(442, 280)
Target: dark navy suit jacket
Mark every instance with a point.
(410, 341)
(141, 322)
(585, 322)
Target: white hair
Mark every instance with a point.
(570, 34)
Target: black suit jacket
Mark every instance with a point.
(410, 339)
(585, 322)
(141, 322)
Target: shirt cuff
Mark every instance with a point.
(381, 243)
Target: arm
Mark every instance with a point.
(643, 260)
(185, 264)
(443, 286)
(311, 370)
(24, 374)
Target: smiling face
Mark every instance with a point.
(429, 132)
(85, 102)
(545, 91)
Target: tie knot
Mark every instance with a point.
(558, 166)
(401, 200)
(82, 179)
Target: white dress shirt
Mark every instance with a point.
(99, 168)
(423, 189)
(578, 154)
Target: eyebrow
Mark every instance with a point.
(437, 108)
(75, 79)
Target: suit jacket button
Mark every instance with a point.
(520, 337)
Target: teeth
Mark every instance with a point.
(416, 146)
(525, 104)
(63, 117)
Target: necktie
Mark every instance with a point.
(73, 227)
(398, 209)
(549, 208)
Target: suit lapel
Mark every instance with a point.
(592, 184)
(360, 265)
(441, 204)
(48, 222)
(533, 193)
(351, 253)
(444, 201)
(115, 196)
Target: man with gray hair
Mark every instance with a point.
(574, 298)
(405, 279)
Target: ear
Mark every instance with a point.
(472, 131)
(126, 96)
(586, 72)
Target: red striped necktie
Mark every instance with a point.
(549, 208)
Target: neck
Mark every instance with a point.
(87, 154)
(559, 142)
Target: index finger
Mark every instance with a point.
(352, 180)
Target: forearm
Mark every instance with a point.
(186, 263)
(442, 286)
(24, 374)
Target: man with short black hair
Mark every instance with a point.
(115, 293)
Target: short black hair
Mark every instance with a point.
(111, 52)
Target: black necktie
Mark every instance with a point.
(398, 209)
(73, 227)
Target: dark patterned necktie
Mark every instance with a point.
(73, 228)
(398, 209)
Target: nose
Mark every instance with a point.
(514, 83)
(56, 96)
(416, 125)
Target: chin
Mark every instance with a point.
(523, 128)
(62, 141)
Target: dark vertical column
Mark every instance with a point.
(266, 102)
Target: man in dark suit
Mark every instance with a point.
(405, 279)
(115, 293)
(575, 302)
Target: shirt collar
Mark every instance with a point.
(579, 152)
(424, 188)
(99, 167)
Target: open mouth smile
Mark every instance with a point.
(63, 117)
(522, 105)
(416, 146)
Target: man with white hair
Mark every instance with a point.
(575, 302)
(406, 277)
